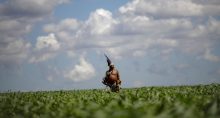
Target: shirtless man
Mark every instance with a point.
(112, 77)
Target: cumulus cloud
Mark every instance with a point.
(100, 22)
(162, 8)
(140, 27)
(14, 51)
(66, 32)
(119, 36)
(138, 47)
(17, 17)
(46, 47)
(50, 42)
(210, 7)
(209, 30)
(13, 47)
(91, 33)
(69, 24)
(41, 57)
(151, 27)
(82, 71)
(200, 38)
(137, 29)
(187, 25)
(171, 8)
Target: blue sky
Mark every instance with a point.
(59, 44)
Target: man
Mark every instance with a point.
(112, 78)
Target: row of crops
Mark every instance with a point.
(147, 102)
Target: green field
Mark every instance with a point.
(147, 102)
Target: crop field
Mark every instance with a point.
(202, 101)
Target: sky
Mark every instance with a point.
(60, 44)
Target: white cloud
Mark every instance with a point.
(7, 26)
(209, 56)
(66, 31)
(210, 7)
(14, 51)
(46, 48)
(100, 22)
(134, 46)
(116, 42)
(83, 71)
(47, 42)
(41, 57)
(201, 37)
(122, 35)
(69, 24)
(151, 27)
(171, 8)
(162, 8)
(17, 17)
(137, 30)
(209, 30)
(13, 48)
(129, 7)
(91, 33)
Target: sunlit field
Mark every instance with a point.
(164, 102)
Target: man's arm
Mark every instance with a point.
(118, 75)
(119, 81)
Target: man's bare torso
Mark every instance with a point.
(112, 76)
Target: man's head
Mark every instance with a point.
(111, 66)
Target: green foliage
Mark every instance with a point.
(147, 102)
